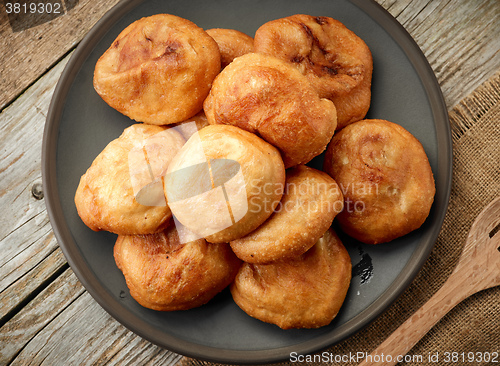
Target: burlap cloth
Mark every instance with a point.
(474, 325)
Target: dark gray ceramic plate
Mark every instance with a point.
(80, 125)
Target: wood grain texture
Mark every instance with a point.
(469, 40)
(18, 331)
(460, 38)
(31, 46)
(35, 280)
(26, 236)
(48, 315)
(81, 329)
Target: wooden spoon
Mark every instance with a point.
(478, 268)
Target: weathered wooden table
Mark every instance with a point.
(46, 316)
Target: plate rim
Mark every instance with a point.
(100, 294)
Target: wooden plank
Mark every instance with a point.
(26, 236)
(64, 321)
(460, 38)
(20, 292)
(141, 352)
(31, 44)
(18, 331)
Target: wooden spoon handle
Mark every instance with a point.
(393, 349)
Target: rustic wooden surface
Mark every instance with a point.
(46, 316)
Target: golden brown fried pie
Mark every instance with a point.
(304, 292)
(337, 62)
(270, 98)
(232, 43)
(158, 70)
(386, 179)
(122, 190)
(311, 201)
(163, 274)
(230, 178)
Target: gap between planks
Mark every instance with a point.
(17, 295)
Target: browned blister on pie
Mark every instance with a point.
(303, 292)
(122, 191)
(386, 179)
(163, 274)
(266, 96)
(334, 59)
(309, 204)
(232, 43)
(158, 70)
